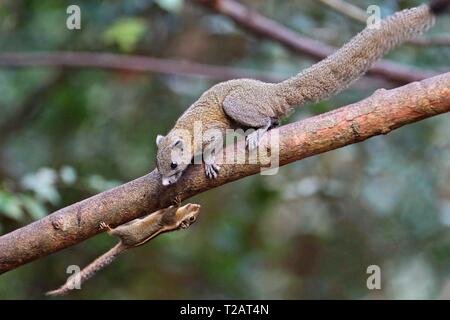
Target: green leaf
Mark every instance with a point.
(33, 207)
(173, 6)
(125, 32)
(10, 206)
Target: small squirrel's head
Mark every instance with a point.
(187, 215)
(172, 158)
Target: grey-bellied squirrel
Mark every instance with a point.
(247, 103)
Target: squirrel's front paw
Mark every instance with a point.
(103, 225)
(211, 170)
(177, 201)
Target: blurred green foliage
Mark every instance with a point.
(125, 33)
(310, 231)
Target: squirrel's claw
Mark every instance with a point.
(104, 225)
(177, 200)
(211, 170)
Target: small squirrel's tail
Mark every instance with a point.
(347, 64)
(76, 280)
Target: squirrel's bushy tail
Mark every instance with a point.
(351, 61)
(77, 279)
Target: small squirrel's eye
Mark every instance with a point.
(192, 219)
(173, 165)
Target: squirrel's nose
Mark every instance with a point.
(165, 182)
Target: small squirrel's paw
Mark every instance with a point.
(177, 200)
(252, 140)
(211, 170)
(104, 225)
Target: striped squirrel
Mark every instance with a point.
(247, 103)
(133, 234)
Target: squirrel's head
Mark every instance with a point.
(172, 157)
(187, 215)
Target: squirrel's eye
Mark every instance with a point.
(173, 165)
(192, 219)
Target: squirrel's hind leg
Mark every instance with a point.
(250, 114)
(252, 140)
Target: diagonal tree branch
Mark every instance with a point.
(384, 111)
(267, 28)
(130, 63)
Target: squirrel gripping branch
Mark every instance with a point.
(133, 234)
(252, 104)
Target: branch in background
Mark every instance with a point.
(437, 40)
(347, 9)
(357, 14)
(29, 107)
(258, 24)
(130, 63)
(384, 111)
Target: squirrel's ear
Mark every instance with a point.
(158, 139)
